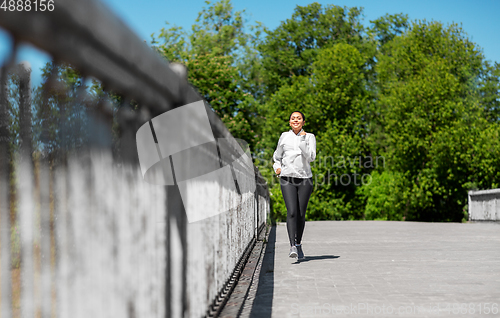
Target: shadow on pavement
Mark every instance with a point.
(315, 258)
(263, 303)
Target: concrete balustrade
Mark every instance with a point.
(96, 239)
(484, 205)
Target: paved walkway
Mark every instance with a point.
(381, 269)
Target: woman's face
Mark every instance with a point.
(296, 121)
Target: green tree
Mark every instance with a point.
(60, 105)
(383, 196)
(386, 28)
(409, 109)
(291, 48)
(65, 106)
(335, 101)
(431, 117)
(489, 88)
(211, 52)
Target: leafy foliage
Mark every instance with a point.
(211, 54)
(423, 101)
(292, 47)
(432, 118)
(405, 113)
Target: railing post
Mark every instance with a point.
(5, 257)
(45, 237)
(127, 119)
(25, 193)
(24, 73)
(176, 216)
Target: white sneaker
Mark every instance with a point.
(300, 253)
(293, 252)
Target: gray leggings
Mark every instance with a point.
(296, 192)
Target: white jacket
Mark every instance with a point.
(294, 154)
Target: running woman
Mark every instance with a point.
(292, 163)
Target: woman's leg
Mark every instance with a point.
(289, 191)
(304, 193)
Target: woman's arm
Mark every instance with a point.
(308, 147)
(278, 155)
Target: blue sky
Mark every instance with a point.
(479, 18)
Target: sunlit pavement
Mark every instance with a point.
(382, 269)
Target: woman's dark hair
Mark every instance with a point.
(303, 116)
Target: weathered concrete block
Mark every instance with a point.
(484, 205)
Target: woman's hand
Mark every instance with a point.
(302, 133)
(278, 171)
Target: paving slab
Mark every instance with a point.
(381, 269)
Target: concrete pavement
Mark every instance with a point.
(380, 269)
